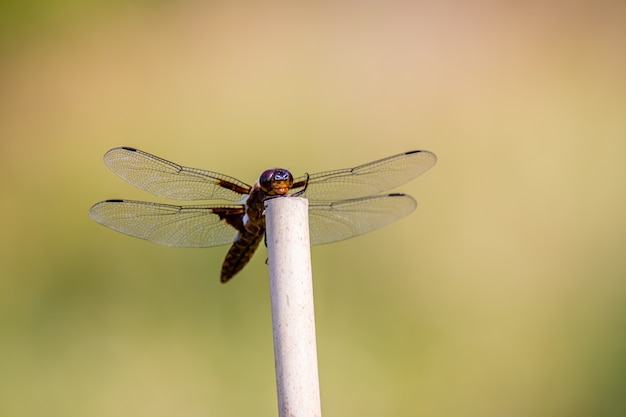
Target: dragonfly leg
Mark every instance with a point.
(302, 191)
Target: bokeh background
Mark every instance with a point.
(503, 295)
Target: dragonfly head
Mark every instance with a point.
(276, 181)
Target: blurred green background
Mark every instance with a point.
(503, 295)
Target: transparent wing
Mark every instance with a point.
(169, 180)
(197, 226)
(368, 179)
(334, 221)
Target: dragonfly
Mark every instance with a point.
(342, 203)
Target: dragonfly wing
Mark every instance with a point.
(197, 226)
(334, 221)
(368, 179)
(170, 180)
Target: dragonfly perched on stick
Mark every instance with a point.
(342, 204)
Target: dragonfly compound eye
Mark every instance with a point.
(276, 181)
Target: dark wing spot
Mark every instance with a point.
(233, 187)
(232, 216)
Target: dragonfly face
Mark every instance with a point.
(342, 204)
(277, 181)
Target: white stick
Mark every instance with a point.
(293, 320)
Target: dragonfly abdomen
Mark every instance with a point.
(240, 253)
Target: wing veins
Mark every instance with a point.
(173, 225)
(367, 179)
(167, 179)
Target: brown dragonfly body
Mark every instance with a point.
(273, 183)
(342, 204)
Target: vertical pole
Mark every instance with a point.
(293, 321)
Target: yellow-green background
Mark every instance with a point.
(503, 295)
